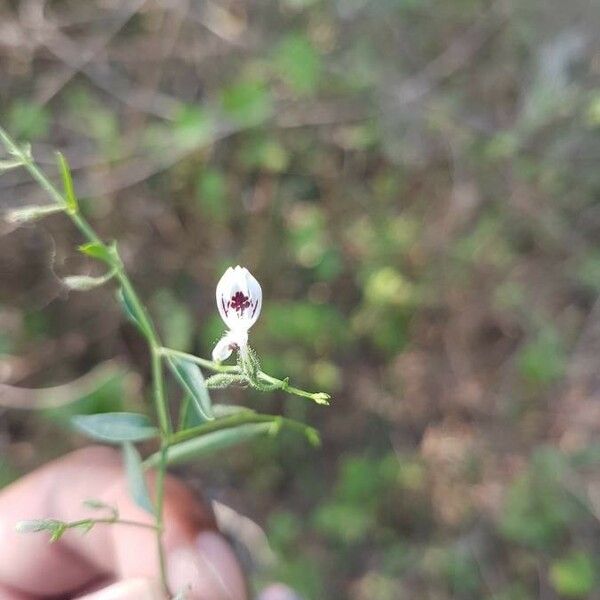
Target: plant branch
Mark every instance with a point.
(72, 211)
(278, 384)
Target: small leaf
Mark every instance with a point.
(6, 165)
(99, 505)
(115, 427)
(65, 171)
(86, 526)
(52, 526)
(248, 103)
(31, 213)
(105, 253)
(58, 532)
(36, 525)
(190, 377)
(573, 576)
(82, 283)
(212, 442)
(298, 64)
(128, 307)
(313, 437)
(135, 478)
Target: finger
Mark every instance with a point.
(8, 594)
(130, 589)
(199, 561)
(30, 564)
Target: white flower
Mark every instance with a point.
(239, 299)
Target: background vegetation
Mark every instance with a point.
(416, 185)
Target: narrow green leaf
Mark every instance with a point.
(67, 179)
(135, 478)
(190, 377)
(130, 311)
(99, 505)
(105, 253)
(211, 442)
(115, 427)
(37, 525)
(82, 283)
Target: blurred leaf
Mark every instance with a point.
(574, 576)
(462, 572)
(135, 478)
(193, 127)
(115, 427)
(247, 103)
(211, 192)
(284, 530)
(588, 272)
(264, 153)
(191, 379)
(346, 523)
(538, 508)
(298, 63)
(28, 120)
(312, 325)
(543, 360)
(387, 286)
(94, 119)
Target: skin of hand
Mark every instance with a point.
(118, 561)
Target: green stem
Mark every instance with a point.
(160, 495)
(241, 418)
(280, 384)
(150, 331)
(110, 521)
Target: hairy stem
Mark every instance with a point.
(278, 384)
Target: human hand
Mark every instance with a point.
(118, 559)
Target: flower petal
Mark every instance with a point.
(232, 340)
(239, 298)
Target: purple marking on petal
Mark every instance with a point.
(224, 306)
(239, 302)
(254, 309)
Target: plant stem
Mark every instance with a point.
(241, 418)
(110, 521)
(160, 495)
(152, 337)
(235, 370)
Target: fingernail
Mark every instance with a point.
(278, 591)
(207, 570)
(127, 590)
